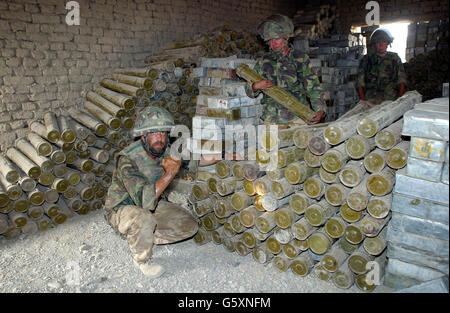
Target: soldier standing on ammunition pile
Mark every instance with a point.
(143, 170)
(288, 69)
(381, 75)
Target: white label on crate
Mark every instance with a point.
(223, 102)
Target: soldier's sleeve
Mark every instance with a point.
(140, 190)
(401, 71)
(192, 166)
(249, 90)
(311, 83)
(362, 72)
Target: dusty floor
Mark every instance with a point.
(85, 255)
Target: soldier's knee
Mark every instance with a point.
(193, 228)
(146, 220)
(190, 225)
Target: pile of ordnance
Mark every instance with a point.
(427, 72)
(64, 165)
(175, 86)
(315, 199)
(315, 21)
(165, 83)
(221, 42)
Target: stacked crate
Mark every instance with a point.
(222, 103)
(222, 107)
(336, 60)
(424, 37)
(418, 246)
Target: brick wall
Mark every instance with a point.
(48, 65)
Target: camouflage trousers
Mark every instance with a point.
(169, 223)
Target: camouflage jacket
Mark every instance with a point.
(294, 74)
(380, 76)
(134, 178)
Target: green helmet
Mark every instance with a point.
(276, 26)
(381, 35)
(152, 119)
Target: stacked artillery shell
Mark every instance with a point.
(221, 42)
(64, 166)
(171, 82)
(417, 236)
(315, 22)
(309, 204)
(164, 83)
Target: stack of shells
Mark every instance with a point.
(323, 208)
(171, 69)
(165, 83)
(64, 165)
(221, 42)
(313, 22)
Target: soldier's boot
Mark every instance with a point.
(150, 269)
(138, 226)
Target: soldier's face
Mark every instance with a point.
(381, 47)
(277, 43)
(157, 142)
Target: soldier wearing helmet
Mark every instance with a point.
(381, 75)
(143, 170)
(288, 69)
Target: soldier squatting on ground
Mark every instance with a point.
(143, 170)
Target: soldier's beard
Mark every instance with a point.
(157, 152)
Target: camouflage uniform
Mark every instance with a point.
(380, 76)
(131, 206)
(294, 74)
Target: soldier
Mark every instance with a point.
(288, 69)
(381, 75)
(143, 170)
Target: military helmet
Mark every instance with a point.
(381, 35)
(152, 119)
(276, 26)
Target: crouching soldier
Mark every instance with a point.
(143, 170)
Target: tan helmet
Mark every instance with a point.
(381, 35)
(276, 26)
(152, 119)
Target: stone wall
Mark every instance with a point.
(47, 65)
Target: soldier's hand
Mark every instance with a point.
(316, 118)
(262, 85)
(171, 164)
